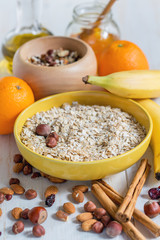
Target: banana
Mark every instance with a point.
(129, 84)
(154, 111)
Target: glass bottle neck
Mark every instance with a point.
(28, 15)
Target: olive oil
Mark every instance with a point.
(11, 45)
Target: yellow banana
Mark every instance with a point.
(129, 84)
(154, 111)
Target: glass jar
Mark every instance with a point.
(28, 27)
(84, 17)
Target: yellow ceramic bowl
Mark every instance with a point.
(84, 170)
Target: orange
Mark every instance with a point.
(15, 95)
(122, 55)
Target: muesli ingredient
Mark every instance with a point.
(27, 169)
(114, 229)
(18, 158)
(6, 191)
(14, 181)
(84, 216)
(89, 206)
(55, 58)
(97, 227)
(16, 212)
(50, 200)
(69, 207)
(38, 230)
(30, 194)
(82, 188)
(99, 213)
(24, 213)
(37, 215)
(8, 197)
(50, 190)
(87, 225)
(43, 130)
(151, 209)
(78, 196)
(62, 215)
(36, 175)
(18, 167)
(18, 227)
(86, 132)
(105, 220)
(154, 193)
(17, 189)
(51, 141)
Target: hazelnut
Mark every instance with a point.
(151, 209)
(105, 220)
(99, 213)
(43, 130)
(51, 142)
(114, 229)
(1, 197)
(27, 169)
(37, 215)
(18, 158)
(97, 227)
(16, 212)
(78, 196)
(30, 194)
(89, 206)
(14, 181)
(54, 135)
(18, 227)
(62, 215)
(24, 213)
(38, 230)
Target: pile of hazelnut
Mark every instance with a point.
(96, 219)
(51, 137)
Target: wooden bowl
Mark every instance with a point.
(46, 81)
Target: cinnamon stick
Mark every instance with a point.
(137, 214)
(111, 208)
(125, 210)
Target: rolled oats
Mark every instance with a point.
(85, 132)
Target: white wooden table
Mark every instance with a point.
(139, 22)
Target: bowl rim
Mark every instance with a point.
(17, 138)
(88, 48)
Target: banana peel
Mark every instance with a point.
(154, 110)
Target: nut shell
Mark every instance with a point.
(97, 227)
(69, 207)
(99, 213)
(38, 230)
(14, 181)
(16, 212)
(82, 188)
(50, 190)
(62, 215)
(84, 216)
(151, 209)
(18, 227)
(87, 225)
(89, 206)
(78, 196)
(37, 215)
(6, 191)
(17, 189)
(113, 229)
(30, 194)
(43, 130)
